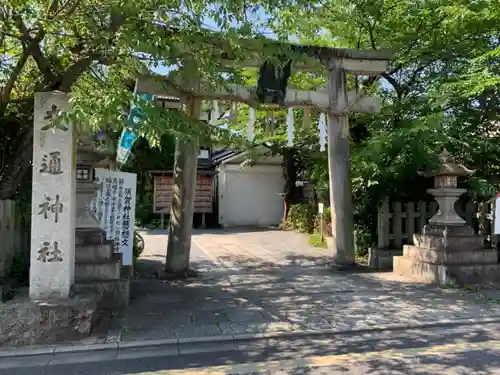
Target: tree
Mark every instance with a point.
(95, 49)
(441, 89)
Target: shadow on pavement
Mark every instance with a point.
(241, 294)
(256, 297)
(423, 351)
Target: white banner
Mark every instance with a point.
(114, 207)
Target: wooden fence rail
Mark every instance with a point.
(398, 221)
(11, 235)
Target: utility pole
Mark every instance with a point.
(184, 186)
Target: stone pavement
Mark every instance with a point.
(271, 281)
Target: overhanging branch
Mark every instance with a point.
(9, 86)
(33, 47)
(79, 67)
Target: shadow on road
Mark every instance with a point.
(243, 294)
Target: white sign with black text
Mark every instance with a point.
(114, 207)
(497, 215)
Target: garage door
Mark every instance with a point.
(251, 197)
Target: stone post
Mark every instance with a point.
(53, 200)
(88, 229)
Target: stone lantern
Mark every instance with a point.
(448, 250)
(87, 226)
(446, 192)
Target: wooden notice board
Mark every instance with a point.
(162, 201)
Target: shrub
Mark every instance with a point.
(301, 218)
(363, 240)
(327, 223)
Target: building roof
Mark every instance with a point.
(224, 154)
(260, 155)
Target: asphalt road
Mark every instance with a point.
(465, 349)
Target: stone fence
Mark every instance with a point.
(397, 222)
(12, 236)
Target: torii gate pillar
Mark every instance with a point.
(339, 161)
(338, 171)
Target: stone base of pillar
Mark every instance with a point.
(90, 236)
(382, 259)
(171, 276)
(345, 267)
(446, 254)
(49, 321)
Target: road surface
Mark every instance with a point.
(446, 350)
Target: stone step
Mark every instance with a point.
(100, 270)
(94, 253)
(381, 258)
(450, 243)
(90, 236)
(445, 273)
(115, 294)
(416, 270)
(484, 256)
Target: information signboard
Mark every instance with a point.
(163, 192)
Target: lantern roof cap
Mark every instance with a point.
(449, 167)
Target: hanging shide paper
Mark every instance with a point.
(251, 124)
(269, 123)
(214, 117)
(322, 132)
(289, 125)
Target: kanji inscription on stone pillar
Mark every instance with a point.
(53, 200)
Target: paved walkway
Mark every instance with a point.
(273, 281)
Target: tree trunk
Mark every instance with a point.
(290, 176)
(16, 164)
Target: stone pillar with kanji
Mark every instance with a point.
(53, 200)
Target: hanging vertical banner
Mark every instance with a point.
(129, 136)
(125, 144)
(114, 207)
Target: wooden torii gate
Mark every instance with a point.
(335, 101)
